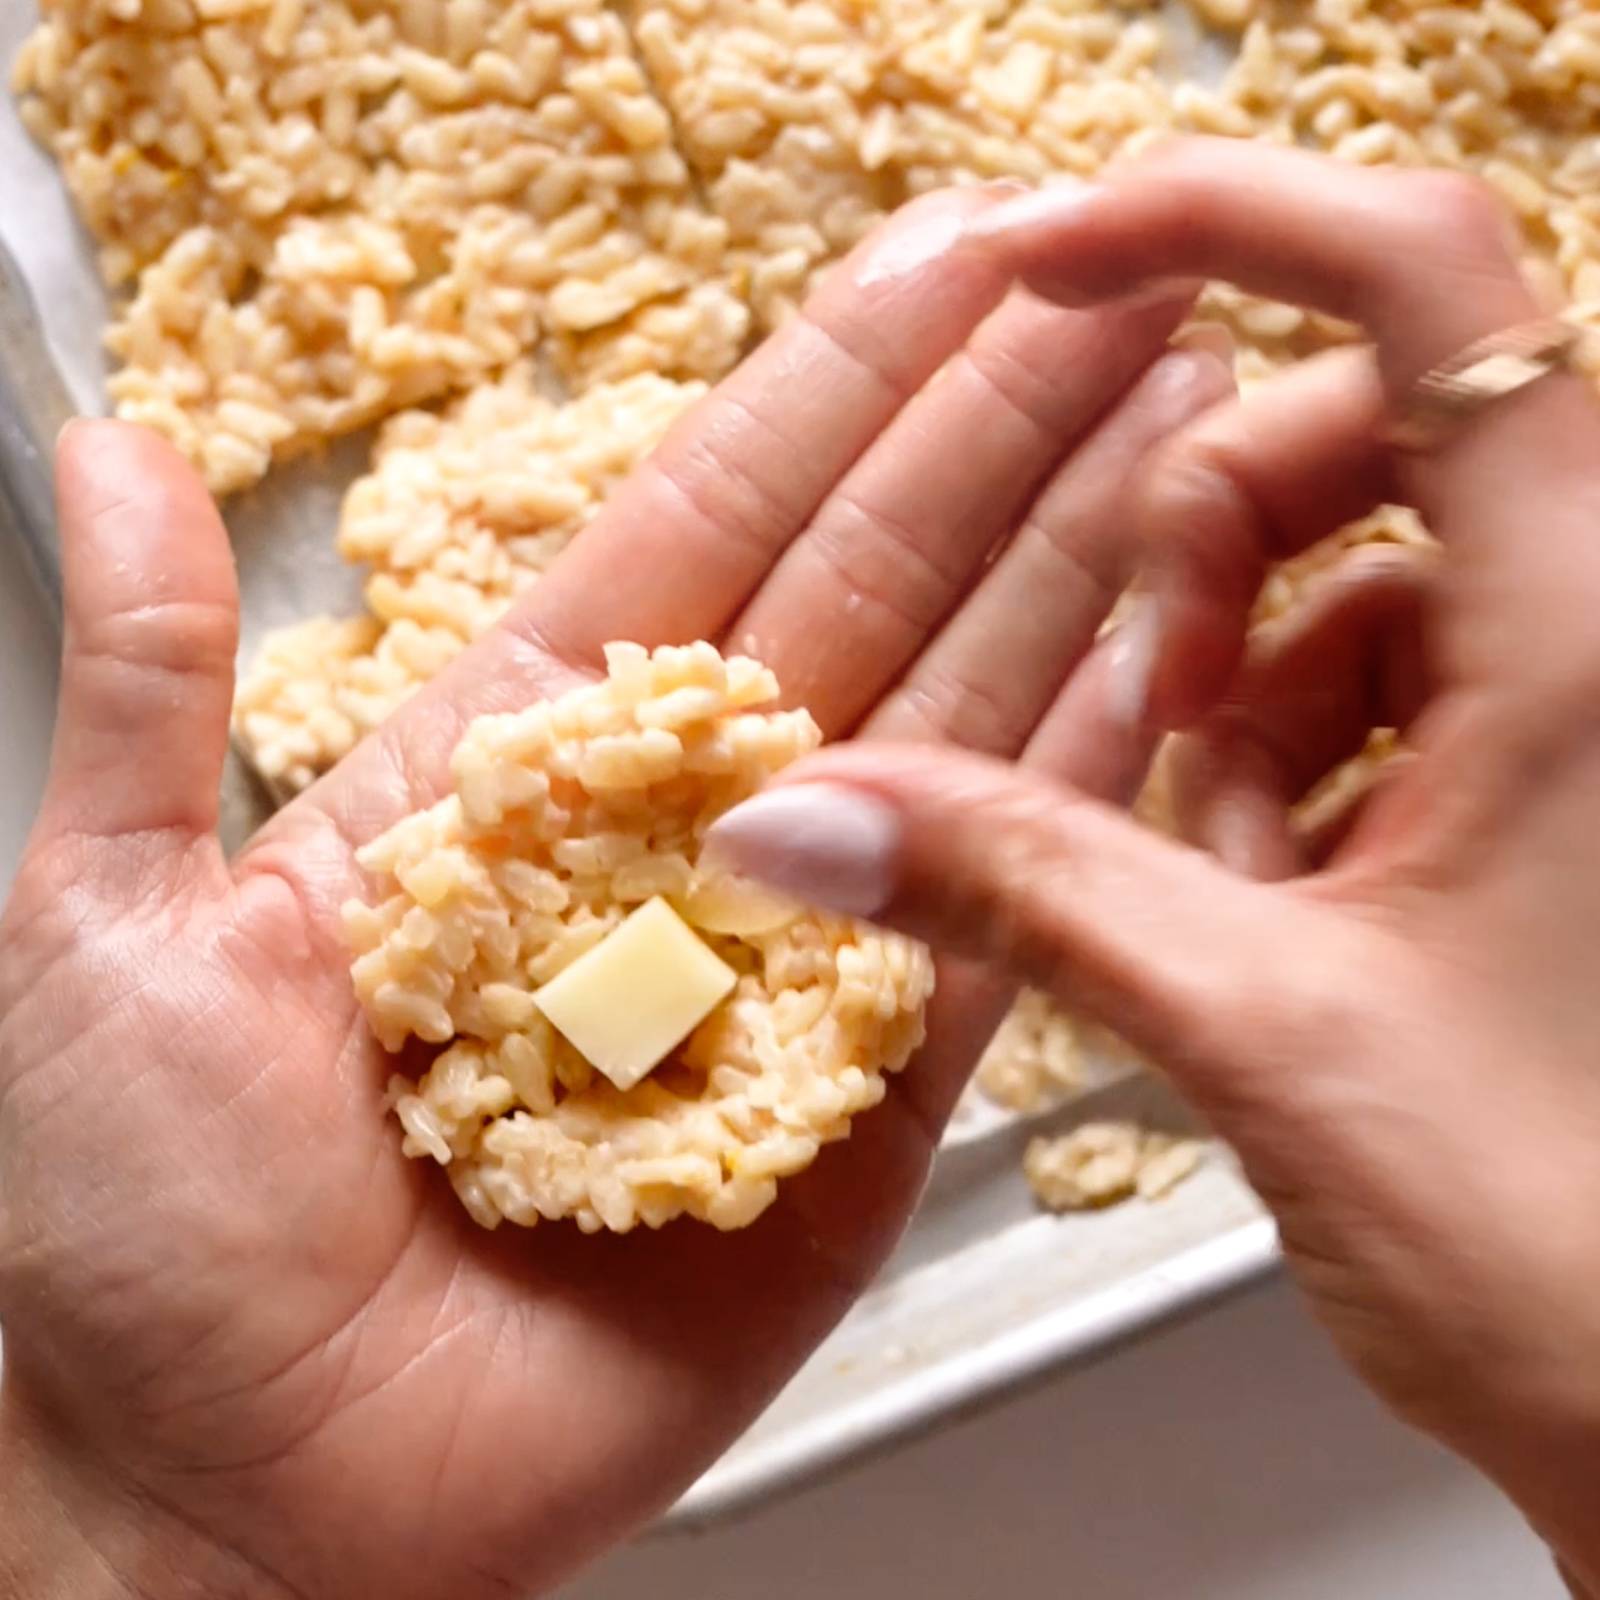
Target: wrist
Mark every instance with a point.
(68, 1531)
(44, 1551)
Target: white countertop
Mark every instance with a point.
(1227, 1459)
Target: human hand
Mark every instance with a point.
(249, 1347)
(1395, 1027)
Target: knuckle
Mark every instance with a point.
(1016, 375)
(1194, 506)
(1458, 209)
(1024, 926)
(879, 560)
(1191, 471)
(173, 636)
(1085, 566)
(1248, 1042)
(1031, 886)
(1376, 581)
(966, 705)
(716, 482)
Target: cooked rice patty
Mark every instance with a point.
(565, 818)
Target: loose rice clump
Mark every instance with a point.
(564, 817)
(460, 513)
(321, 211)
(1101, 1163)
(1035, 1059)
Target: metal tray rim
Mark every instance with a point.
(961, 1385)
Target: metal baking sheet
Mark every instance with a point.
(985, 1293)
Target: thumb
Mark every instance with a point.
(150, 628)
(1202, 970)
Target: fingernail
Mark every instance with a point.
(1231, 833)
(1210, 337)
(1007, 187)
(907, 249)
(1173, 383)
(67, 427)
(1247, 836)
(823, 843)
(1058, 202)
(1133, 662)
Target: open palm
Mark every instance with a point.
(219, 1280)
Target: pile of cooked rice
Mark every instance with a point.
(316, 213)
(564, 818)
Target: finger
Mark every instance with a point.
(1424, 260)
(1055, 593)
(1351, 658)
(896, 544)
(984, 859)
(998, 664)
(1329, 824)
(151, 626)
(1247, 485)
(1086, 738)
(687, 539)
(1213, 337)
(682, 544)
(1054, 584)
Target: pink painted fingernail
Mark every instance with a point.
(824, 843)
(1132, 664)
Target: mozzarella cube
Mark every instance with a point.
(625, 1004)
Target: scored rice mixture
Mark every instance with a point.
(320, 211)
(810, 122)
(564, 818)
(324, 210)
(460, 513)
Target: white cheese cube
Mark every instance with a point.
(642, 990)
